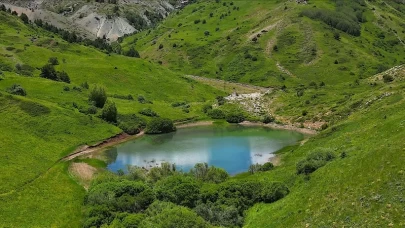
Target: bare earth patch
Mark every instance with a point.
(83, 172)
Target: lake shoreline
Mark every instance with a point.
(275, 126)
(123, 137)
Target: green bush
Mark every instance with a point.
(148, 112)
(159, 126)
(63, 76)
(178, 189)
(92, 110)
(131, 124)
(235, 118)
(98, 96)
(165, 214)
(16, 89)
(314, 161)
(109, 112)
(48, 71)
(53, 61)
(273, 192)
(268, 119)
(206, 108)
(267, 166)
(216, 114)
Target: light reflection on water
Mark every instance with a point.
(233, 148)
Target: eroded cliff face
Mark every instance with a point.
(93, 19)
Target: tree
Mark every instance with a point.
(98, 96)
(24, 18)
(133, 53)
(159, 126)
(3, 7)
(49, 72)
(109, 112)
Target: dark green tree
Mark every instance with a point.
(49, 72)
(98, 96)
(24, 18)
(109, 112)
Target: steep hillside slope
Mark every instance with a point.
(276, 43)
(52, 119)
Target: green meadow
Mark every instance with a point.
(319, 75)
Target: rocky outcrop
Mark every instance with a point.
(89, 19)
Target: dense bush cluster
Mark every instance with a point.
(164, 197)
(159, 126)
(131, 124)
(48, 71)
(235, 117)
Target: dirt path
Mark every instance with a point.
(220, 83)
(282, 127)
(120, 138)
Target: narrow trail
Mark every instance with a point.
(219, 81)
(123, 137)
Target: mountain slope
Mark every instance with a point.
(92, 19)
(53, 119)
(275, 43)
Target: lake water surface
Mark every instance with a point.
(233, 148)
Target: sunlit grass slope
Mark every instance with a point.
(216, 40)
(45, 125)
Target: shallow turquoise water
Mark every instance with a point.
(233, 148)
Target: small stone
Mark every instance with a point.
(389, 205)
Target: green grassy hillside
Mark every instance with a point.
(51, 121)
(272, 43)
(324, 77)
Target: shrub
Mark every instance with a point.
(109, 112)
(206, 108)
(220, 100)
(178, 189)
(235, 117)
(273, 192)
(267, 166)
(92, 110)
(159, 126)
(85, 85)
(131, 124)
(53, 61)
(388, 78)
(49, 72)
(17, 90)
(268, 119)
(148, 112)
(63, 76)
(216, 114)
(178, 104)
(132, 53)
(98, 96)
(314, 161)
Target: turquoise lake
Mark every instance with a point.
(233, 148)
